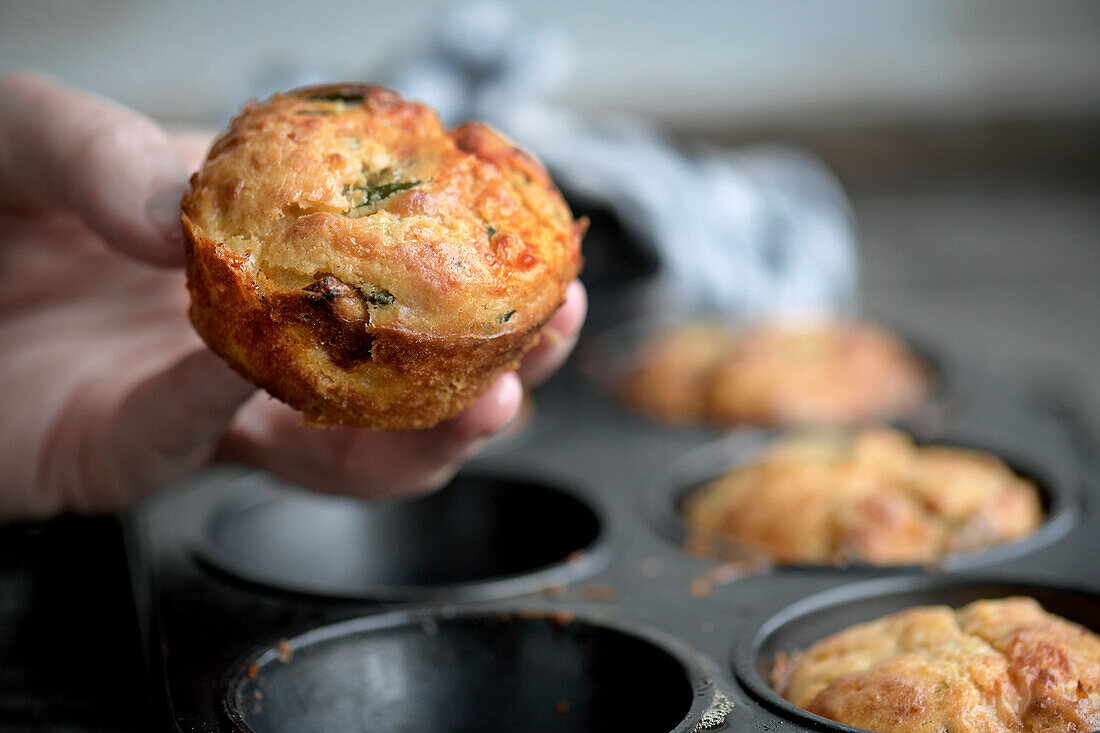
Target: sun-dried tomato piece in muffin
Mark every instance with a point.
(367, 266)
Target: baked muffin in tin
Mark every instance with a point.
(871, 496)
(1002, 665)
(367, 266)
(818, 372)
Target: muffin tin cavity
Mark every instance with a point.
(433, 672)
(807, 621)
(479, 537)
(1058, 485)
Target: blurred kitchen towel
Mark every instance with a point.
(758, 231)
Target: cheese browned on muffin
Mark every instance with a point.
(872, 496)
(994, 666)
(367, 266)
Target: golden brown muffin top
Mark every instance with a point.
(872, 496)
(819, 371)
(816, 373)
(991, 666)
(447, 233)
(670, 382)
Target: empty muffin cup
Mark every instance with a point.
(421, 671)
(807, 621)
(1057, 484)
(480, 537)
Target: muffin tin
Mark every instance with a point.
(548, 589)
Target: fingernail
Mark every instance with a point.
(163, 210)
(511, 392)
(507, 395)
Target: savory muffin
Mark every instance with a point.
(827, 372)
(991, 666)
(820, 372)
(671, 382)
(872, 496)
(367, 266)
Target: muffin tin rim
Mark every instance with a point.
(580, 563)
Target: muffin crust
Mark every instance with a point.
(992, 666)
(367, 266)
(871, 496)
(771, 374)
(671, 382)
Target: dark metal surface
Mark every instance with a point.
(206, 624)
(70, 655)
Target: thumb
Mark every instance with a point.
(116, 169)
(170, 424)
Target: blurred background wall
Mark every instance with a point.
(691, 64)
(941, 84)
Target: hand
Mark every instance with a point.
(108, 394)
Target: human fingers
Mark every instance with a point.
(367, 463)
(557, 338)
(170, 424)
(192, 146)
(116, 169)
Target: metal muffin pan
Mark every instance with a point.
(625, 624)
